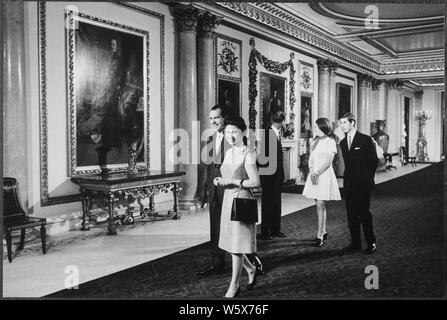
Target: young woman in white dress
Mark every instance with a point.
(239, 174)
(321, 183)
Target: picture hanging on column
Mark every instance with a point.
(108, 84)
(273, 97)
(229, 96)
(228, 57)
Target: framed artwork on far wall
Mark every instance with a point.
(229, 96)
(273, 97)
(108, 84)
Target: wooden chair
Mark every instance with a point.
(14, 217)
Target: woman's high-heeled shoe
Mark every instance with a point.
(319, 242)
(236, 294)
(255, 278)
(324, 237)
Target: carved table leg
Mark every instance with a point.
(175, 191)
(111, 229)
(85, 208)
(152, 206)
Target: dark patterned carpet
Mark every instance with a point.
(409, 222)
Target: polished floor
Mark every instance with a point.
(92, 255)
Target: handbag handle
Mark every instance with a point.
(240, 187)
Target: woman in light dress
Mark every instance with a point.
(238, 170)
(321, 183)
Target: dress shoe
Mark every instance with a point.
(279, 235)
(255, 277)
(263, 236)
(352, 248)
(209, 270)
(319, 242)
(371, 249)
(236, 294)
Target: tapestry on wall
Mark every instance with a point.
(108, 93)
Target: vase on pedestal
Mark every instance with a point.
(381, 137)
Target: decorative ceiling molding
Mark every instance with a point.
(414, 66)
(334, 14)
(276, 18)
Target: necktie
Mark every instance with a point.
(349, 142)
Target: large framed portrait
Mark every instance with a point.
(108, 93)
(229, 96)
(273, 97)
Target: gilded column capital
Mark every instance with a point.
(327, 65)
(395, 84)
(207, 23)
(376, 83)
(365, 80)
(186, 17)
(418, 94)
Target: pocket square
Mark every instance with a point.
(357, 148)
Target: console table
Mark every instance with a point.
(113, 187)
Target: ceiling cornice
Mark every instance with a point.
(274, 17)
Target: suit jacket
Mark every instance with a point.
(213, 162)
(360, 162)
(278, 155)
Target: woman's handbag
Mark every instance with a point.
(244, 210)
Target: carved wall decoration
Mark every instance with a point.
(307, 77)
(229, 57)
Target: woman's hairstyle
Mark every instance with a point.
(324, 124)
(237, 122)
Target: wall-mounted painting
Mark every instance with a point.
(229, 96)
(343, 98)
(273, 97)
(306, 77)
(107, 93)
(306, 116)
(228, 57)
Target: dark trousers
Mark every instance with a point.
(218, 255)
(357, 207)
(271, 204)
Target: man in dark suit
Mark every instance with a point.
(271, 173)
(215, 153)
(360, 159)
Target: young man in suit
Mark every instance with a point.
(216, 147)
(271, 182)
(360, 159)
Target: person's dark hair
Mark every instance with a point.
(237, 122)
(278, 117)
(219, 107)
(350, 117)
(324, 124)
